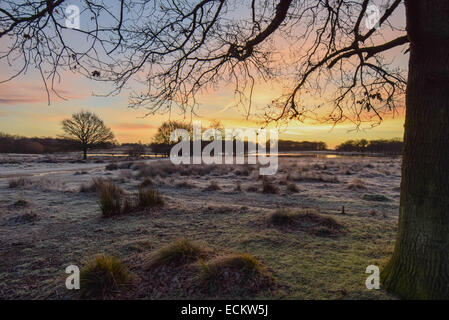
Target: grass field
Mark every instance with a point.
(50, 219)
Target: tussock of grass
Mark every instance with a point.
(148, 197)
(375, 197)
(213, 186)
(307, 176)
(19, 182)
(102, 276)
(292, 187)
(233, 275)
(95, 185)
(177, 253)
(269, 187)
(308, 221)
(110, 197)
(111, 166)
(184, 185)
(147, 182)
(21, 203)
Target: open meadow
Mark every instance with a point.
(307, 232)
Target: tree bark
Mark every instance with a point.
(85, 152)
(419, 267)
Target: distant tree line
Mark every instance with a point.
(288, 145)
(18, 144)
(392, 146)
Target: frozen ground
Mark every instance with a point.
(47, 224)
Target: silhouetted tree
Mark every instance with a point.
(88, 129)
(164, 131)
(181, 46)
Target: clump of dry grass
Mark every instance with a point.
(95, 184)
(238, 187)
(253, 188)
(233, 275)
(102, 276)
(307, 176)
(185, 185)
(110, 198)
(41, 183)
(269, 187)
(213, 186)
(177, 253)
(19, 182)
(147, 182)
(292, 187)
(148, 197)
(111, 166)
(308, 221)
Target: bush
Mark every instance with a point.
(110, 198)
(102, 276)
(177, 253)
(149, 198)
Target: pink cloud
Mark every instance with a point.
(21, 92)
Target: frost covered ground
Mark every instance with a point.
(46, 223)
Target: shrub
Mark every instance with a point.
(269, 187)
(110, 198)
(149, 198)
(102, 276)
(177, 253)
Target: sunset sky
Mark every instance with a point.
(24, 110)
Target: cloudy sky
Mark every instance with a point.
(24, 110)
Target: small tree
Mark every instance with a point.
(88, 129)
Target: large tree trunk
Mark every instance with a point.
(419, 268)
(85, 152)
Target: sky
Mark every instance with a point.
(24, 111)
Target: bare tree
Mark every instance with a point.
(89, 130)
(176, 48)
